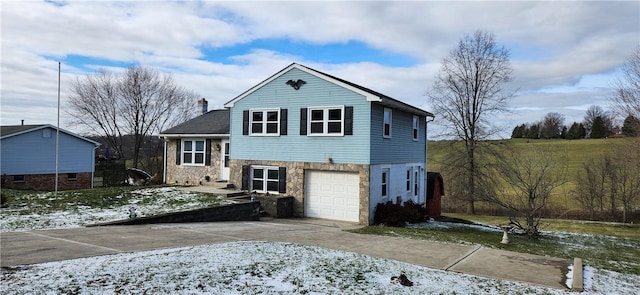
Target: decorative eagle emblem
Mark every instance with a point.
(296, 84)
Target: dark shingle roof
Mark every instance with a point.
(14, 130)
(10, 130)
(211, 122)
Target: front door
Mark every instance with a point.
(224, 175)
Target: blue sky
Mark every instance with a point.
(564, 54)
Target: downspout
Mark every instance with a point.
(164, 169)
(426, 154)
(93, 167)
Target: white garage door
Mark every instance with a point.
(332, 195)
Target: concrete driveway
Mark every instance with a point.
(54, 245)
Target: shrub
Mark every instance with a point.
(4, 199)
(391, 214)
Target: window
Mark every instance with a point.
(415, 127)
(385, 182)
(265, 179)
(72, 176)
(193, 152)
(265, 122)
(386, 125)
(226, 155)
(326, 121)
(416, 183)
(46, 133)
(409, 179)
(18, 178)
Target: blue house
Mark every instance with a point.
(337, 147)
(28, 158)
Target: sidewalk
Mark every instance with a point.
(53, 245)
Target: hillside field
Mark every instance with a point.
(577, 153)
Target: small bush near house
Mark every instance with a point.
(391, 214)
(4, 199)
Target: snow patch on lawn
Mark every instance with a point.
(150, 201)
(246, 268)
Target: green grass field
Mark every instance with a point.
(577, 152)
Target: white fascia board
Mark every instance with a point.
(369, 96)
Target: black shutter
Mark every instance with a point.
(245, 122)
(282, 180)
(178, 150)
(303, 121)
(246, 177)
(348, 120)
(207, 152)
(283, 122)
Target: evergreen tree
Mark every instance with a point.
(598, 129)
(534, 131)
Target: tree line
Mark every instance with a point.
(597, 123)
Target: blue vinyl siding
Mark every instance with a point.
(293, 146)
(31, 153)
(400, 148)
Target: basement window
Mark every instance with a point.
(72, 176)
(18, 178)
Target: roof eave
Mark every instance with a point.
(192, 135)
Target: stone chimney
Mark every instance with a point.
(203, 105)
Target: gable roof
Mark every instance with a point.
(214, 123)
(370, 95)
(15, 130)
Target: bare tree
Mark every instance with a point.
(625, 180)
(468, 91)
(532, 176)
(591, 186)
(140, 102)
(593, 112)
(552, 125)
(626, 100)
(94, 104)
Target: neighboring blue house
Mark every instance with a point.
(28, 158)
(338, 148)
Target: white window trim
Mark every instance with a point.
(409, 177)
(264, 180)
(416, 129)
(193, 153)
(264, 123)
(325, 121)
(390, 122)
(416, 181)
(385, 183)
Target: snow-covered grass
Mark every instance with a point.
(263, 268)
(32, 211)
(250, 267)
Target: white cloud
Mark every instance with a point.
(553, 45)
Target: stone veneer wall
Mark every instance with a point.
(295, 180)
(192, 175)
(47, 182)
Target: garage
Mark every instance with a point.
(332, 195)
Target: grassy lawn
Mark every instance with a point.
(578, 152)
(30, 210)
(608, 246)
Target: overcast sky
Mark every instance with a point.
(564, 54)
